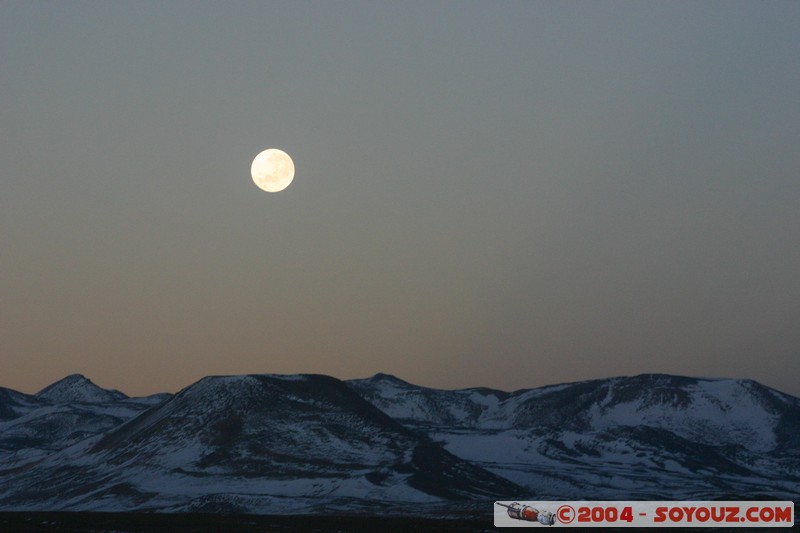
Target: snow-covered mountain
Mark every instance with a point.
(76, 388)
(251, 444)
(62, 414)
(276, 444)
(651, 435)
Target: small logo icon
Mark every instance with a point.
(525, 512)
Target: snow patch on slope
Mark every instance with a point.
(717, 411)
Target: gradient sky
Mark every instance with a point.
(506, 194)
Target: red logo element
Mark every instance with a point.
(565, 514)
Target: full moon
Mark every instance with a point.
(272, 170)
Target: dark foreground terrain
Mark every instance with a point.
(200, 523)
(24, 522)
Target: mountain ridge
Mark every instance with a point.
(265, 443)
(608, 438)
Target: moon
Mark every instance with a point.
(272, 170)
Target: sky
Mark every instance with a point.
(500, 194)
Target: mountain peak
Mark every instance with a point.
(380, 376)
(78, 388)
(74, 378)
